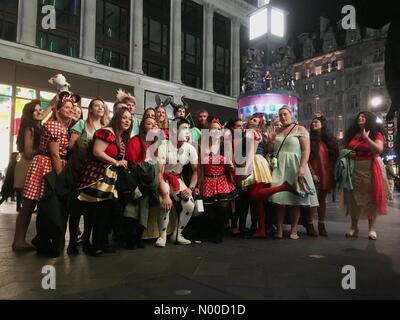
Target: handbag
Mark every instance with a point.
(273, 160)
(127, 180)
(198, 208)
(146, 176)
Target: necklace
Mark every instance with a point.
(288, 125)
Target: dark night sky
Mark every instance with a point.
(304, 14)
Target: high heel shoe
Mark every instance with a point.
(295, 189)
(311, 231)
(352, 233)
(305, 187)
(322, 230)
(294, 236)
(372, 235)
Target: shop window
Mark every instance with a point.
(5, 121)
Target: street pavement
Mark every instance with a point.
(237, 269)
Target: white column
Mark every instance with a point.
(88, 30)
(27, 22)
(235, 57)
(176, 41)
(136, 45)
(208, 56)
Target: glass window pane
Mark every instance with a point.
(57, 44)
(155, 36)
(10, 6)
(5, 112)
(26, 93)
(99, 55)
(46, 95)
(199, 51)
(165, 35)
(5, 90)
(190, 44)
(145, 31)
(112, 20)
(124, 25)
(227, 59)
(100, 12)
(115, 59)
(124, 62)
(8, 30)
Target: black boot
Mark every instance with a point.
(139, 234)
(130, 233)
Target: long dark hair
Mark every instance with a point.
(142, 136)
(370, 125)
(231, 124)
(27, 121)
(325, 136)
(115, 123)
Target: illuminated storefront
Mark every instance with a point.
(12, 101)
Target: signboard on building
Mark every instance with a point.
(267, 103)
(390, 131)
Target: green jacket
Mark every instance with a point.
(344, 170)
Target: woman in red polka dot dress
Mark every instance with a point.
(52, 155)
(216, 184)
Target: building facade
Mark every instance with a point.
(340, 73)
(167, 47)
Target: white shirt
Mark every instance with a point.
(175, 159)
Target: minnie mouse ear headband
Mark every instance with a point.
(68, 96)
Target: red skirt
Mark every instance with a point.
(218, 188)
(34, 181)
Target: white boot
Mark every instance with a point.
(184, 217)
(180, 239)
(161, 241)
(163, 220)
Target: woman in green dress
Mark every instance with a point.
(292, 167)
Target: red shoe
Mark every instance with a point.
(259, 234)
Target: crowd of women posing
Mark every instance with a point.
(115, 176)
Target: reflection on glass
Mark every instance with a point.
(46, 96)
(26, 93)
(5, 90)
(5, 111)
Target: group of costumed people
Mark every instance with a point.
(125, 175)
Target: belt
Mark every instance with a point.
(214, 175)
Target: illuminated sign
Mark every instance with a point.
(268, 103)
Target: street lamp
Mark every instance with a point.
(376, 101)
(267, 20)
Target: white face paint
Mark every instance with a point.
(184, 132)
